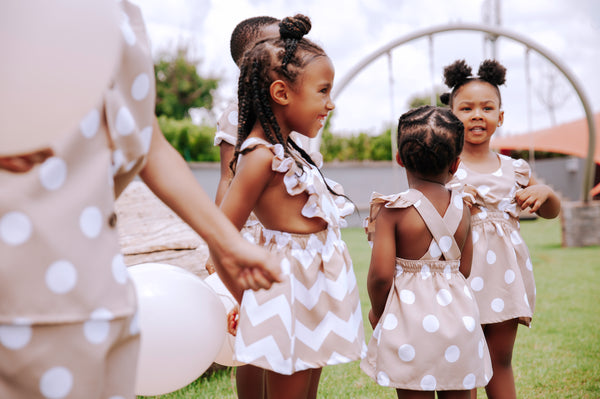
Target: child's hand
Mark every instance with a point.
(232, 321)
(469, 194)
(25, 162)
(373, 319)
(533, 197)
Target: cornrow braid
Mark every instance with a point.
(429, 139)
(458, 74)
(292, 30)
(246, 33)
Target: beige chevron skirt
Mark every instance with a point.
(313, 317)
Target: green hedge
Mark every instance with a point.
(194, 143)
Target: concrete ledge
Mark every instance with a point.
(580, 223)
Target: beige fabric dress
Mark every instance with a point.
(68, 327)
(502, 273)
(313, 317)
(428, 337)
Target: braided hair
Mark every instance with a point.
(458, 74)
(429, 139)
(246, 33)
(269, 60)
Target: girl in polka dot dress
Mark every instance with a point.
(313, 317)
(497, 188)
(427, 335)
(68, 321)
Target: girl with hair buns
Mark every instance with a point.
(313, 317)
(427, 336)
(497, 188)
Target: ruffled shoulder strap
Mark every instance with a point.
(404, 199)
(522, 171)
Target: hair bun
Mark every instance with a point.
(492, 72)
(456, 73)
(445, 98)
(294, 27)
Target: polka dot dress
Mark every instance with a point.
(68, 326)
(429, 337)
(502, 274)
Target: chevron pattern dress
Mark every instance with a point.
(313, 317)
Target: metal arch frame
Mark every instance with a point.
(496, 31)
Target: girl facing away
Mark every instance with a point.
(313, 317)
(427, 335)
(497, 188)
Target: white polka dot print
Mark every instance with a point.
(528, 264)
(469, 381)
(517, 163)
(383, 379)
(15, 228)
(445, 243)
(406, 352)
(483, 190)
(53, 173)
(125, 124)
(425, 272)
(61, 277)
(477, 284)
(515, 238)
(526, 299)
(390, 322)
(140, 87)
(134, 324)
(480, 348)
(89, 124)
(428, 383)
(434, 250)
(504, 204)
(448, 272)
(458, 202)
(499, 230)
(56, 383)
(233, 118)
(467, 292)
(119, 269)
(443, 297)
(475, 237)
(490, 257)
(497, 173)
(482, 215)
(431, 323)
(497, 305)
(90, 222)
(399, 269)
(469, 323)
(146, 138)
(118, 159)
(452, 354)
(96, 329)
(461, 174)
(407, 296)
(509, 276)
(17, 335)
(127, 31)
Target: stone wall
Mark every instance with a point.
(580, 223)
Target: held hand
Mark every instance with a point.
(24, 163)
(251, 266)
(469, 194)
(232, 321)
(533, 197)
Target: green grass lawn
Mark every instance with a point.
(559, 357)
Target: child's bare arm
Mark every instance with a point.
(383, 264)
(539, 198)
(466, 256)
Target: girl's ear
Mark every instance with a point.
(398, 159)
(279, 92)
(454, 165)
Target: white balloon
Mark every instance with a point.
(182, 325)
(58, 57)
(225, 356)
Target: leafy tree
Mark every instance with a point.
(179, 87)
(425, 98)
(194, 143)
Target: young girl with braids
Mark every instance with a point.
(497, 188)
(313, 317)
(427, 335)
